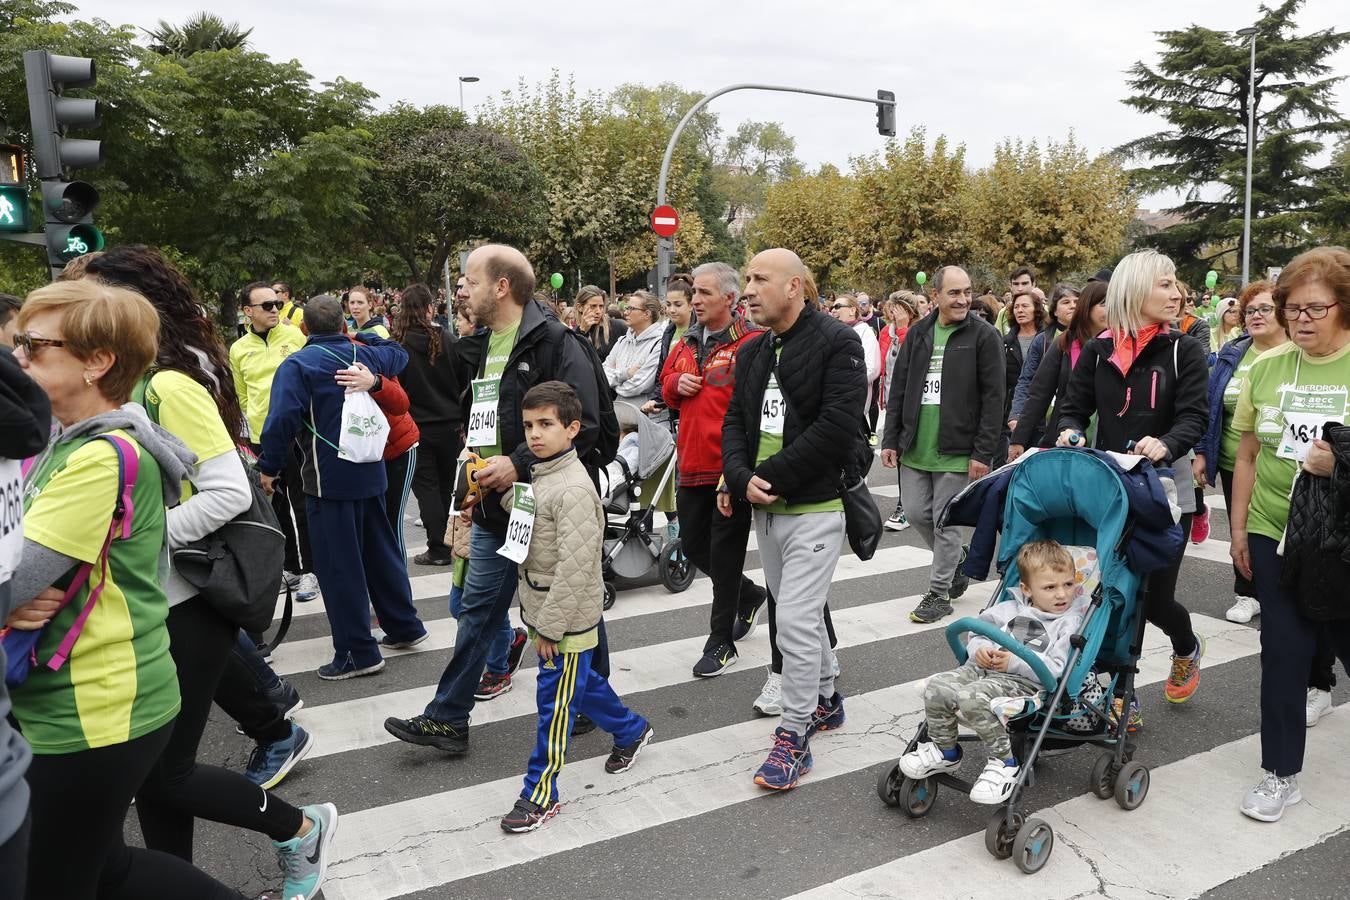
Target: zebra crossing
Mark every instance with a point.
(687, 821)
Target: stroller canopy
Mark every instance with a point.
(655, 443)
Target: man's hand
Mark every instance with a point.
(1014, 451)
(1198, 468)
(357, 378)
(759, 491)
(724, 504)
(36, 612)
(890, 458)
(1152, 448)
(976, 469)
(498, 475)
(688, 385)
(1012, 424)
(1320, 459)
(268, 483)
(545, 648)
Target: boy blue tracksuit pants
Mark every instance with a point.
(359, 566)
(567, 686)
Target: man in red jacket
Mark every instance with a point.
(696, 381)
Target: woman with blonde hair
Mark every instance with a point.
(1228, 326)
(631, 365)
(1146, 385)
(594, 320)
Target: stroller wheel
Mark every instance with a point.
(1031, 848)
(888, 785)
(1132, 785)
(610, 595)
(677, 572)
(998, 837)
(917, 797)
(1102, 781)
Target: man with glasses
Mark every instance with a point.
(943, 425)
(292, 313)
(253, 361)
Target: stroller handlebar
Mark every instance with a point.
(985, 629)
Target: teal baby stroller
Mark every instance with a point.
(1100, 506)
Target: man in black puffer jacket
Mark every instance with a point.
(789, 433)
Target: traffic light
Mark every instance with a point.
(67, 206)
(13, 192)
(886, 114)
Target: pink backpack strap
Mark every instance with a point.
(128, 469)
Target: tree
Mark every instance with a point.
(204, 31)
(1333, 200)
(1059, 212)
(807, 214)
(439, 183)
(1200, 87)
(908, 210)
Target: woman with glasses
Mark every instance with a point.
(1289, 392)
(1216, 453)
(846, 309)
(632, 364)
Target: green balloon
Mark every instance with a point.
(1211, 279)
(921, 278)
(556, 280)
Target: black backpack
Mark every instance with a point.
(607, 441)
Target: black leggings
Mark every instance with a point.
(76, 850)
(1160, 600)
(177, 790)
(434, 482)
(14, 862)
(776, 661)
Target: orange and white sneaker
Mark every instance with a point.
(1185, 677)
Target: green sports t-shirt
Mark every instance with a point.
(1283, 386)
(182, 407)
(771, 442)
(500, 345)
(120, 682)
(675, 337)
(1229, 437)
(923, 454)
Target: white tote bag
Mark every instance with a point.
(364, 429)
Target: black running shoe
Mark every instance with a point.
(621, 759)
(285, 698)
(527, 816)
(960, 580)
(715, 661)
(583, 725)
(429, 732)
(932, 606)
(747, 619)
(519, 641)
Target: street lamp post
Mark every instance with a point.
(463, 80)
(665, 247)
(1251, 141)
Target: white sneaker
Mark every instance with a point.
(770, 699)
(1319, 704)
(1243, 610)
(289, 580)
(834, 665)
(926, 759)
(308, 588)
(995, 783)
(1266, 801)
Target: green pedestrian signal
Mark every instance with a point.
(13, 208)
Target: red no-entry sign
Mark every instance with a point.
(665, 220)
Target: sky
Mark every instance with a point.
(977, 71)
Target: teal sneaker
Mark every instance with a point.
(304, 860)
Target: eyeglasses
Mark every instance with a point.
(1316, 311)
(1264, 311)
(269, 305)
(32, 344)
(841, 306)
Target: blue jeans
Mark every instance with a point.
(499, 651)
(489, 586)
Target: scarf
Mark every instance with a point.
(1127, 347)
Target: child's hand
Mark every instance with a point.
(989, 658)
(545, 648)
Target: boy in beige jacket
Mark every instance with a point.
(558, 525)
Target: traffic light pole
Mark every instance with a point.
(665, 247)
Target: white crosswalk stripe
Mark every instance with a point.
(429, 826)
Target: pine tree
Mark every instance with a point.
(1200, 87)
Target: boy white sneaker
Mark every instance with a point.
(1319, 704)
(1243, 610)
(1266, 801)
(995, 783)
(770, 699)
(927, 759)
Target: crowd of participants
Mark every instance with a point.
(130, 428)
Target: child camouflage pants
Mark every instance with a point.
(970, 691)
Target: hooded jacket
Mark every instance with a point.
(641, 350)
(306, 399)
(699, 438)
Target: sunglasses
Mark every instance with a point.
(269, 305)
(841, 306)
(31, 344)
